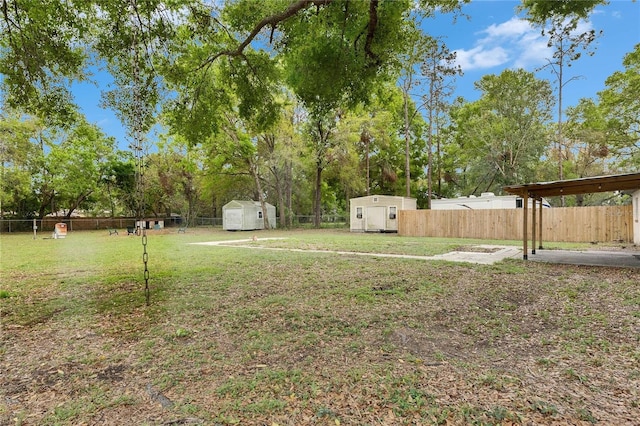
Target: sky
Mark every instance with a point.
(492, 39)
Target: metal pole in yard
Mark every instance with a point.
(540, 230)
(525, 225)
(533, 227)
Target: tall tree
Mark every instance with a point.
(239, 149)
(410, 61)
(43, 51)
(177, 176)
(77, 166)
(280, 146)
(587, 129)
(366, 132)
(118, 180)
(587, 136)
(67, 166)
(567, 42)
(620, 102)
(331, 62)
(438, 67)
(542, 10)
(16, 152)
(320, 128)
(503, 134)
(362, 134)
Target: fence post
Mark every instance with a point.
(540, 225)
(533, 226)
(525, 225)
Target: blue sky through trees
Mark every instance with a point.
(491, 40)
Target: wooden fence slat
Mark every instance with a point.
(568, 224)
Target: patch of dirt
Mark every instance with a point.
(477, 249)
(433, 345)
(112, 373)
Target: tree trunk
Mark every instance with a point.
(432, 95)
(366, 138)
(438, 158)
(283, 209)
(279, 195)
(76, 203)
(560, 142)
(46, 202)
(407, 142)
(318, 195)
(289, 191)
(263, 205)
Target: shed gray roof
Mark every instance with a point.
(246, 203)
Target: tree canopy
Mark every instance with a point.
(332, 49)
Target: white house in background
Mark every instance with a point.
(378, 213)
(241, 215)
(487, 200)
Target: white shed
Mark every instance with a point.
(378, 213)
(241, 215)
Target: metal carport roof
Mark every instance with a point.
(577, 186)
(621, 182)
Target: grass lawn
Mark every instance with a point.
(262, 337)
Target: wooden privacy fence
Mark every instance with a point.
(569, 224)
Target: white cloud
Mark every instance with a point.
(512, 29)
(509, 43)
(514, 44)
(583, 27)
(532, 52)
(481, 57)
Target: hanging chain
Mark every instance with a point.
(142, 222)
(140, 166)
(145, 260)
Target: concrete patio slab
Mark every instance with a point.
(487, 255)
(623, 259)
(486, 258)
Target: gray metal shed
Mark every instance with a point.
(378, 213)
(242, 215)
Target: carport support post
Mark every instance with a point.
(540, 225)
(533, 227)
(525, 225)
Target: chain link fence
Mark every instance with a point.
(97, 223)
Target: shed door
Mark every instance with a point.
(376, 218)
(233, 218)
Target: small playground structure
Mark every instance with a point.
(59, 230)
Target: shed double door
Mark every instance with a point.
(376, 218)
(234, 219)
